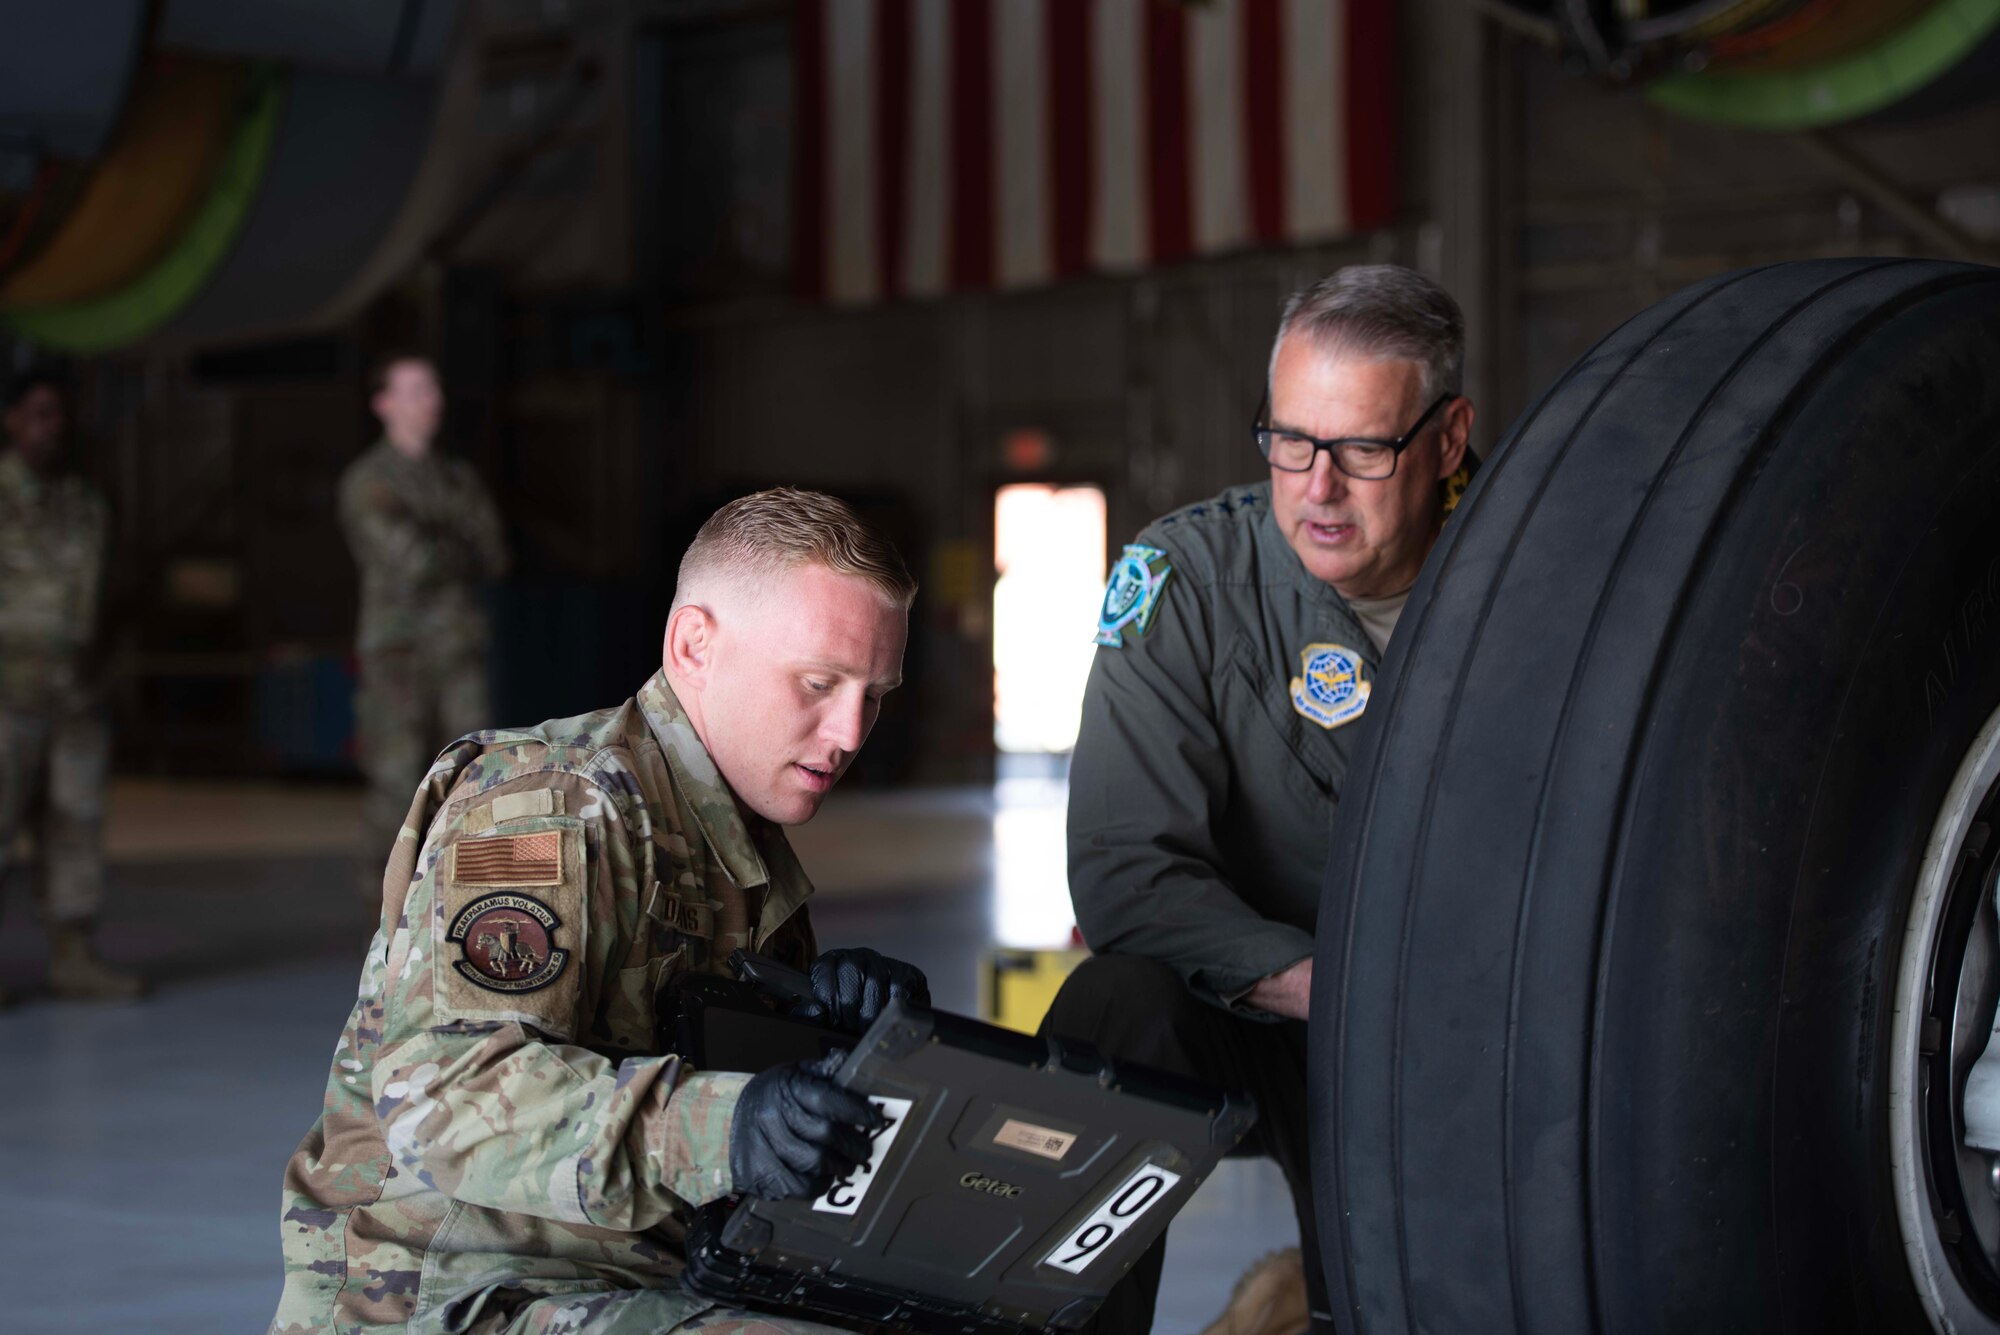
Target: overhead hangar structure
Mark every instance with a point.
(208, 170)
(1780, 64)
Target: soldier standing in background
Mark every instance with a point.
(425, 533)
(55, 745)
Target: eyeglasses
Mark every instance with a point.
(1364, 458)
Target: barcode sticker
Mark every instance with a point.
(845, 1195)
(1138, 1193)
(1042, 1140)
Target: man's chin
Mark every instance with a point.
(1329, 567)
(791, 808)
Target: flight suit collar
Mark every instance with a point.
(751, 849)
(1278, 555)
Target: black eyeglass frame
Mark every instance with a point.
(1261, 432)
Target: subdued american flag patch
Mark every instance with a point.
(515, 859)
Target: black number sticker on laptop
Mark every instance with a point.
(844, 1196)
(1141, 1191)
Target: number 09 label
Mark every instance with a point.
(1140, 1192)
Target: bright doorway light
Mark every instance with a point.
(1048, 545)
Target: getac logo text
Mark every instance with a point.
(992, 1186)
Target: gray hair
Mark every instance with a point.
(1382, 312)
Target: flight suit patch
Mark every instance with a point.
(1329, 689)
(1132, 598)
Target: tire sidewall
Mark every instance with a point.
(1838, 660)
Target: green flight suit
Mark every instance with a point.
(504, 1146)
(1217, 727)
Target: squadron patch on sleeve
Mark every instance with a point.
(507, 943)
(1329, 689)
(512, 927)
(1133, 596)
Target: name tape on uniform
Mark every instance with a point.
(846, 1193)
(1138, 1193)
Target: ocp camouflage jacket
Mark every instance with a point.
(52, 538)
(499, 1129)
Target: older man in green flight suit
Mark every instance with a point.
(1238, 641)
(425, 534)
(55, 745)
(504, 1145)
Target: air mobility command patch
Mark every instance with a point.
(1329, 689)
(1133, 596)
(512, 909)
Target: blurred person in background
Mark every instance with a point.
(55, 744)
(1237, 642)
(425, 533)
(506, 1144)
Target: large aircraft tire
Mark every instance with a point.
(1658, 935)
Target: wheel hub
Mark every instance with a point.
(1945, 1060)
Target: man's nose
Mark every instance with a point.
(1325, 483)
(843, 725)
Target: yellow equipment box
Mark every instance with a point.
(1017, 987)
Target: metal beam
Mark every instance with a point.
(1888, 194)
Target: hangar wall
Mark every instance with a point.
(611, 305)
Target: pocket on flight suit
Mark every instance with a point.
(1271, 702)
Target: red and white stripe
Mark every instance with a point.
(951, 145)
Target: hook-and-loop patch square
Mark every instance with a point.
(512, 926)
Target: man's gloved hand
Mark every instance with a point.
(796, 1130)
(852, 987)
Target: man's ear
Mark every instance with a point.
(1457, 435)
(690, 648)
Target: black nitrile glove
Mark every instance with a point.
(796, 1130)
(852, 987)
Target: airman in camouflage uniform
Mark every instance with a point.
(54, 743)
(504, 1146)
(425, 533)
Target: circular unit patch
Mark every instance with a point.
(1133, 595)
(1329, 689)
(508, 943)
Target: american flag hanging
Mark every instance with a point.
(955, 145)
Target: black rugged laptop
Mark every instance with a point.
(1017, 1181)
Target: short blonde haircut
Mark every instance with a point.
(769, 532)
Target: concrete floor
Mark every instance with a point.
(141, 1147)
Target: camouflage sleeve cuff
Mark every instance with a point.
(701, 1113)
